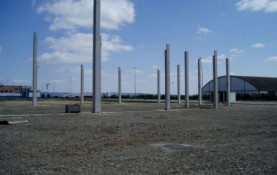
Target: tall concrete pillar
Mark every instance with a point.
(187, 79)
(82, 85)
(200, 81)
(119, 86)
(34, 102)
(167, 77)
(228, 82)
(178, 84)
(215, 85)
(158, 86)
(96, 105)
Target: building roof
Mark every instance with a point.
(261, 83)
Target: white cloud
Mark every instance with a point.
(113, 44)
(20, 82)
(155, 67)
(153, 75)
(258, 45)
(235, 52)
(271, 59)
(271, 7)
(209, 59)
(77, 48)
(257, 5)
(74, 14)
(221, 57)
(203, 30)
(58, 81)
(71, 69)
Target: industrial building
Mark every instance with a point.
(15, 91)
(245, 88)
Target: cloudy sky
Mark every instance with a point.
(134, 34)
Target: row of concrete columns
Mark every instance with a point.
(167, 79)
(200, 80)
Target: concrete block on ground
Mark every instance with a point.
(76, 108)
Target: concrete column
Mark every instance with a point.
(82, 85)
(187, 78)
(167, 77)
(178, 84)
(228, 82)
(34, 102)
(158, 86)
(200, 81)
(119, 86)
(96, 105)
(215, 85)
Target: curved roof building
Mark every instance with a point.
(244, 84)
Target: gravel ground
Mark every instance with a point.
(240, 139)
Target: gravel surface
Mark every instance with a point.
(241, 139)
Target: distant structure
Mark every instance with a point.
(244, 87)
(11, 91)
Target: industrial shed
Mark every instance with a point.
(245, 87)
(14, 91)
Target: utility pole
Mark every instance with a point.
(158, 86)
(135, 81)
(167, 77)
(70, 86)
(96, 104)
(47, 85)
(119, 85)
(187, 78)
(82, 85)
(215, 88)
(228, 82)
(200, 81)
(35, 78)
(178, 84)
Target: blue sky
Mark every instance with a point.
(134, 34)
